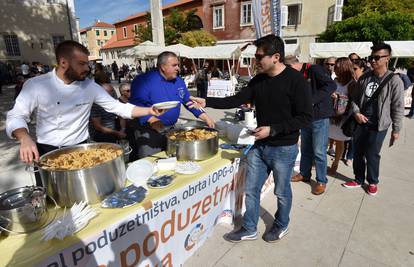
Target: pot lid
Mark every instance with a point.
(19, 197)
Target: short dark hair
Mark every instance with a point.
(271, 44)
(163, 57)
(65, 49)
(381, 46)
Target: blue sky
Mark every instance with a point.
(109, 10)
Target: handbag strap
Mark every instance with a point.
(379, 89)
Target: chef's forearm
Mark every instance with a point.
(140, 112)
(20, 133)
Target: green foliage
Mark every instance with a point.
(355, 7)
(371, 26)
(144, 31)
(197, 38)
(175, 25)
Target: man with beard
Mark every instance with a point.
(63, 99)
(283, 106)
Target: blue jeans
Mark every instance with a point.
(261, 160)
(367, 146)
(314, 142)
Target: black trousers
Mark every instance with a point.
(367, 148)
(145, 141)
(44, 149)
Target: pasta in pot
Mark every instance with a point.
(81, 159)
(192, 135)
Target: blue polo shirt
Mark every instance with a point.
(151, 88)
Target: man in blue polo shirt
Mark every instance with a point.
(160, 85)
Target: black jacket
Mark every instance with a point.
(322, 87)
(282, 102)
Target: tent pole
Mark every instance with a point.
(395, 62)
(238, 65)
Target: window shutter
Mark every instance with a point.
(338, 10)
(284, 16)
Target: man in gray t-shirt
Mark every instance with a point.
(375, 117)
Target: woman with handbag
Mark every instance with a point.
(344, 80)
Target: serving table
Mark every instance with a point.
(165, 229)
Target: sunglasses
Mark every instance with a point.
(330, 64)
(259, 57)
(376, 57)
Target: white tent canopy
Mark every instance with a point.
(143, 50)
(290, 50)
(224, 51)
(401, 48)
(325, 50)
(180, 49)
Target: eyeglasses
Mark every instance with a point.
(376, 57)
(330, 64)
(259, 57)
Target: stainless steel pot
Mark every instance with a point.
(23, 210)
(89, 184)
(192, 150)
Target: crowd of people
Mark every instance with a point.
(348, 100)
(343, 107)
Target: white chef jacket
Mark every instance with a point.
(62, 109)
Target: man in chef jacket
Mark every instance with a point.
(62, 99)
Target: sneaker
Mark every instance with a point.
(372, 189)
(351, 184)
(275, 234)
(409, 115)
(241, 235)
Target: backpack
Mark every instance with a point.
(304, 70)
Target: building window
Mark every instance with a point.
(218, 17)
(331, 13)
(105, 33)
(57, 39)
(291, 41)
(124, 29)
(136, 29)
(97, 32)
(113, 54)
(112, 32)
(246, 62)
(246, 14)
(100, 53)
(98, 42)
(294, 14)
(12, 45)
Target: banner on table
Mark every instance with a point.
(267, 17)
(164, 235)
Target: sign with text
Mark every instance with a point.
(220, 88)
(164, 235)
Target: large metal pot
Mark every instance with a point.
(192, 150)
(23, 210)
(89, 184)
